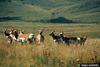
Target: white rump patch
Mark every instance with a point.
(78, 38)
(54, 40)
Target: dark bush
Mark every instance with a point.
(60, 20)
(6, 18)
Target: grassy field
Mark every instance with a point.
(50, 54)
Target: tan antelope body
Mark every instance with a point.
(40, 38)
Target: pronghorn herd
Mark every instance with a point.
(18, 36)
(67, 40)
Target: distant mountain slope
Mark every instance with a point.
(27, 11)
(77, 10)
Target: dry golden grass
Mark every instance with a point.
(50, 54)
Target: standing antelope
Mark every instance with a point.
(73, 40)
(24, 38)
(40, 38)
(56, 39)
(82, 40)
(10, 35)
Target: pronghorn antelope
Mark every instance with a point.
(73, 40)
(56, 39)
(14, 35)
(82, 40)
(40, 38)
(64, 39)
(11, 35)
(6, 33)
(24, 38)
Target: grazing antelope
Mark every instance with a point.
(40, 38)
(73, 40)
(14, 35)
(24, 38)
(56, 39)
(9, 38)
(8, 35)
(64, 39)
(82, 40)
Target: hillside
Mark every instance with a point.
(26, 11)
(76, 10)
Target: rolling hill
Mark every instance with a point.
(76, 10)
